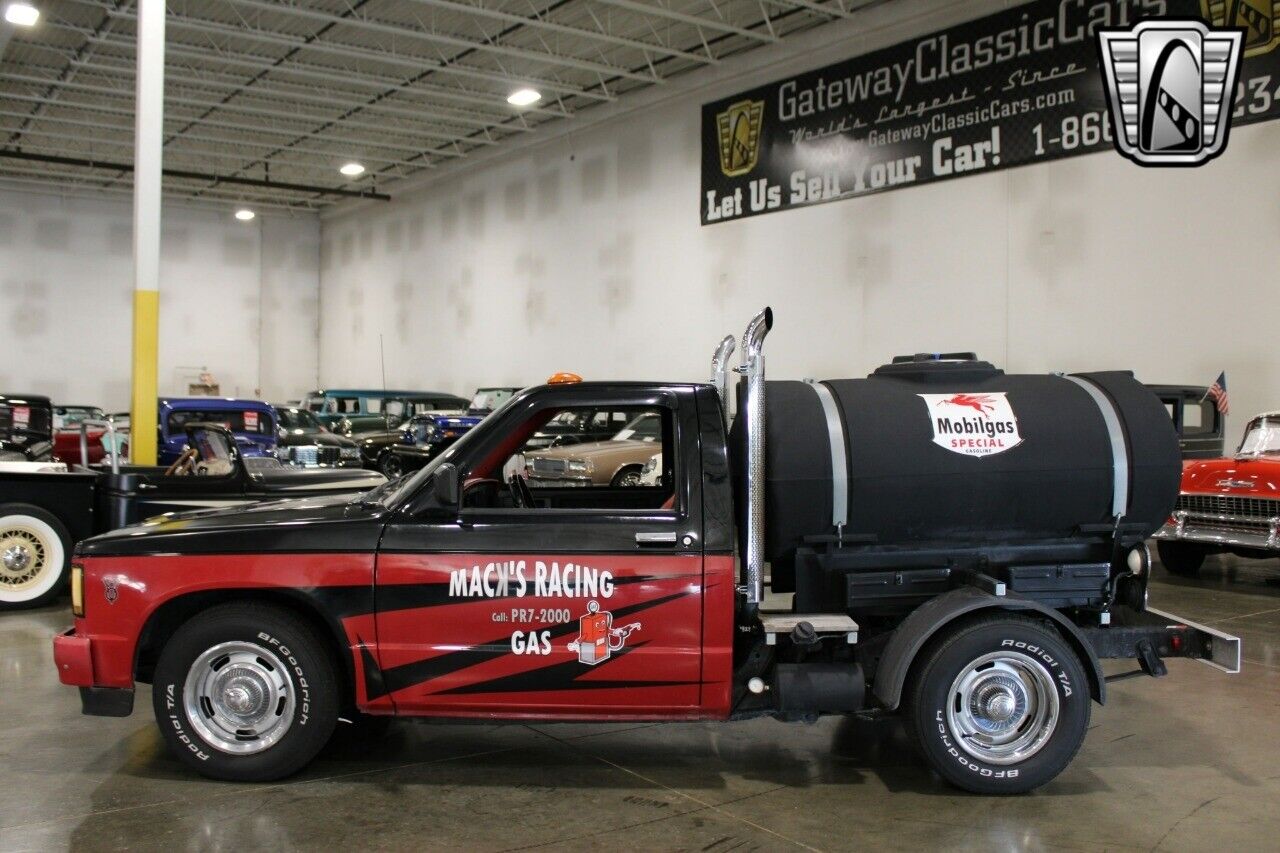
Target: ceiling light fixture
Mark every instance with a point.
(524, 97)
(244, 214)
(352, 169)
(21, 14)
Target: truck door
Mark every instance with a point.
(562, 585)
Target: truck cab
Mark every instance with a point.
(470, 589)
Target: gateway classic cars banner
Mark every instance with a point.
(1020, 86)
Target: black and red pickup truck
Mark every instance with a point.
(944, 542)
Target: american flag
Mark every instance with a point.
(1218, 391)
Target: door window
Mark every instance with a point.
(605, 474)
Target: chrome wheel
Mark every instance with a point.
(239, 697)
(1003, 707)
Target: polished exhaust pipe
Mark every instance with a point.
(753, 370)
(720, 374)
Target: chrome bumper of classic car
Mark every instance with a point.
(1262, 534)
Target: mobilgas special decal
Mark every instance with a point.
(1023, 85)
(973, 424)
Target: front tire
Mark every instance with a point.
(35, 556)
(627, 478)
(246, 692)
(1182, 558)
(999, 706)
(390, 466)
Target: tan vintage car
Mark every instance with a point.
(615, 462)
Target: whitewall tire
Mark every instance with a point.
(35, 551)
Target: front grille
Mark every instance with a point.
(311, 454)
(1260, 528)
(1242, 508)
(540, 465)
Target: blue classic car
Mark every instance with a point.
(253, 424)
(423, 437)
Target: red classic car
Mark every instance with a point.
(66, 433)
(1229, 505)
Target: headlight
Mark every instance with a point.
(349, 453)
(282, 453)
(579, 466)
(649, 466)
(77, 591)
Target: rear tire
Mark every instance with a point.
(246, 692)
(35, 556)
(998, 706)
(1182, 558)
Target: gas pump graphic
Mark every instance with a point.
(597, 638)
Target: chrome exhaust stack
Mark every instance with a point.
(720, 374)
(753, 369)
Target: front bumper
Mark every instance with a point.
(1228, 531)
(73, 655)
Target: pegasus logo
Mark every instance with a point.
(980, 403)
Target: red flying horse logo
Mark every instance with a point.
(980, 403)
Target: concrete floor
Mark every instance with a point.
(1189, 762)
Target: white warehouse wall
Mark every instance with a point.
(584, 253)
(238, 299)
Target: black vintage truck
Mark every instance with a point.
(43, 514)
(942, 541)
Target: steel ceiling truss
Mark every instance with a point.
(266, 98)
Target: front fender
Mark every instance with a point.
(924, 623)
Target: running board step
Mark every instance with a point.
(781, 624)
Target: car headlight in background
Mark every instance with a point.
(649, 466)
(349, 453)
(579, 466)
(282, 453)
(77, 591)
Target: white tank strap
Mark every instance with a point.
(839, 464)
(1119, 451)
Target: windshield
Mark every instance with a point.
(297, 419)
(395, 492)
(18, 418)
(70, 416)
(1261, 438)
(645, 427)
(488, 399)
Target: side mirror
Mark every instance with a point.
(445, 485)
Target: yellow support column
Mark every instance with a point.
(142, 409)
(147, 153)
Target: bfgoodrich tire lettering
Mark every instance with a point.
(999, 706)
(245, 692)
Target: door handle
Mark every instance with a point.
(656, 540)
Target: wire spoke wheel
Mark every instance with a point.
(24, 555)
(239, 697)
(1003, 707)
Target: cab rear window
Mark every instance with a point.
(249, 421)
